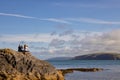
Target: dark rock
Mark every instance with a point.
(23, 66)
(71, 70)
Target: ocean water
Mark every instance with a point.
(111, 69)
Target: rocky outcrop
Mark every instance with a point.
(99, 56)
(23, 66)
(71, 70)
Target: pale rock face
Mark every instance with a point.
(23, 66)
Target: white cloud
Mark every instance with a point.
(67, 32)
(53, 33)
(69, 45)
(25, 37)
(90, 43)
(107, 42)
(57, 43)
(31, 37)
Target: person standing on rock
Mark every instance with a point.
(20, 48)
(25, 47)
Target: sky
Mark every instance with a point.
(61, 28)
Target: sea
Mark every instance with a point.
(111, 69)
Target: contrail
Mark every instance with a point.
(29, 17)
(17, 15)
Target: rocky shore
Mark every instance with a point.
(23, 66)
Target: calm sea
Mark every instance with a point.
(111, 69)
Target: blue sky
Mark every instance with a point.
(54, 28)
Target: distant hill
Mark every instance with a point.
(99, 56)
(60, 58)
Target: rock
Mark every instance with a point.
(23, 66)
(71, 70)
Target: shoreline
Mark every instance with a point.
(71, 70)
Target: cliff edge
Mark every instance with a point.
(23, 66)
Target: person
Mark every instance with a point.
(20, 48)
(25, 47)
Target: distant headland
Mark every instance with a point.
(98, 56)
